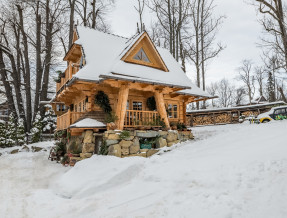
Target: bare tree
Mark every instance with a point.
(225, 93)
(239, 96)
(259, 76)
(140, 9)
(247, 77)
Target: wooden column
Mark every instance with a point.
(161, 107)
(122, 105)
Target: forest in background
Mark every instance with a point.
(36, 34)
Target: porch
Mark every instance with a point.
(133, 119)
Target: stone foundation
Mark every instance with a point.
(124, 146)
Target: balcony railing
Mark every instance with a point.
(67, 119)
(64, 80)
(136, 118)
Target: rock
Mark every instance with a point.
(147, 134)
(191, 135)
(134, 148)
(136, 141)
(14, 151)
(161, 142)
(36, 149)
(129, 138)
(88, 148)
(111, 142)
(86, 155)
(88, 138)
(113, 137)
(115, 150)
(125, 144)
(151, 152)
(0, 154)
(172, 143)
(171, 137)
(25, 148)
(163, 134)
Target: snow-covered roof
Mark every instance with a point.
(240, 107)
(88, 123)
(103, 53)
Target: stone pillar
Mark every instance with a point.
(88, 142)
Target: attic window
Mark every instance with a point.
(141, 56)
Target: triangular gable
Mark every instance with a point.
(143, 52)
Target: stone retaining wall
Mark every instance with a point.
(125, 146)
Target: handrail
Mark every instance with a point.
(135, 118)
(67, 119)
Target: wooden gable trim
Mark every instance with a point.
(152, 53)
(74, 53)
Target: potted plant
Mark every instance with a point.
(111, 119)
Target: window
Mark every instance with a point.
(84, 105)
(280, 111)
(141, 56)
(80, 106)
(76, 108)
(172, 111)
(137, 105)
(60, 107)
(128, 105)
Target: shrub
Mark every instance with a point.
(125, 134)
(102, 99)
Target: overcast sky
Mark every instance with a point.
(239, 32)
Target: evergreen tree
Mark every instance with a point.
(2, 134)
(37, 127)
(11, 132)
(49, 121)
(271, 87)
(20, 132)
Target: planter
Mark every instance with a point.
(174, 127)
(111, 126)
(155, 128)
(62, 75)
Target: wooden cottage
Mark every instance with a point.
(125, 73)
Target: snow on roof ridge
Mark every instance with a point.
(238, 107)
(102, 32)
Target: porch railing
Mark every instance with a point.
(141, 118)
(67, 119)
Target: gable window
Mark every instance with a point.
(141, 56)
(137, 105)
(172, 111)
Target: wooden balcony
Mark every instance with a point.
(135, 118)
(67, 119)
(64, 80)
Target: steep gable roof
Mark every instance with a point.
(105, 58)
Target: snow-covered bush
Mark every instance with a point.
(37, 127)
(49, 121)
(11, 133)
(21, 136)
(2, 134)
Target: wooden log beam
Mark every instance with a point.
(122, 105)
(161, 107)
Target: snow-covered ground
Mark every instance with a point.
(227, 172)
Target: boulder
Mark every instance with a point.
(136, 141)
(125, 144)
(129, 138)
(163, 134)
(172, 143)
(88, 148)
(14, 151)
(151, 152)
(171, 137)
(88, 138)
(134, 149)
(147, 134)
(36, 149)
(86, 155)
(25, 148)
(113, 137)
(115, 150)
(161, 142)
(191, 135)
(111, 142)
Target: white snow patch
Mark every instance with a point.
(88, 122)
(228, 171)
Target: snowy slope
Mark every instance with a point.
(229, 171)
